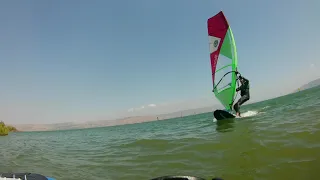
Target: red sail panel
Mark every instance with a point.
(217, 29)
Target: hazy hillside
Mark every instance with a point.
(102, 123)
(311, 84)
(90, 124)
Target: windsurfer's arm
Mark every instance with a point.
(246, 80)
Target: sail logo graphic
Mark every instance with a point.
(213, 43)
(216, 43)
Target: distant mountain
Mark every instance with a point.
(309, 85)
(121, 121)
(90, 124)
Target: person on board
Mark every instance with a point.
(245, 95)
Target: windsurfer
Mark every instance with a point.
(245, 95)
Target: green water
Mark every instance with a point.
(282, 141)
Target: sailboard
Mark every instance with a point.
(223, 57)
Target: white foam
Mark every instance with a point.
(4, 178)
(248, 114)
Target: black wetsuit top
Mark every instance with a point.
(244, 88)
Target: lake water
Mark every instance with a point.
(280, 139)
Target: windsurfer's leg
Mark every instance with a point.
(236, 108)
(243, 99)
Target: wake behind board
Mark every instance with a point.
(221, 115)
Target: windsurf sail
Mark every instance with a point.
(223, 56)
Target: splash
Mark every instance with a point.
(248, 114)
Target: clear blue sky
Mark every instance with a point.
(82, 60)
